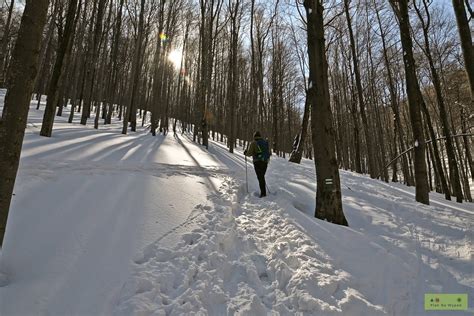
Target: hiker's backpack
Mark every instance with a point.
(263, 150)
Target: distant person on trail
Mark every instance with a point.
(259, 149)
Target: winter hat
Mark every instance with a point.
(257, 135)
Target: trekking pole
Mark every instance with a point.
(246, 176)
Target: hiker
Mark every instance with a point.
(259, 149)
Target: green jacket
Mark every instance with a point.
(253, 149)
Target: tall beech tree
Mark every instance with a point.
(452, 162)
(235, 15)
(62, 60)
(360, 94)
(4, 43)
(111, 89)
(131, 113)
(328, 192)
(415, 100)
(92, 59)
(22, 74)
(398, 129)
(157, 69)
(466, 43)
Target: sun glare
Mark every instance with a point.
(175, 57)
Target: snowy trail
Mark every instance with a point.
(252, 257)
(243, 257)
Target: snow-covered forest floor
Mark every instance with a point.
(102, 223)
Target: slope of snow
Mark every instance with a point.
(103, 223)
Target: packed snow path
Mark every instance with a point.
(249, 256)
(103, 223)
(244, 257)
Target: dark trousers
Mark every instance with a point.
(260, 170)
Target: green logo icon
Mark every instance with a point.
(445, 302)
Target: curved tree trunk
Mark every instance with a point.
(297, 154)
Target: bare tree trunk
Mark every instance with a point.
(92, 68)
(4, 44)
(235, 16)
(102, 84)
(328, 194)
(77, 84)
(112, 89)
(356, 159)
(62, 60)
(42, 78)
(131, 115)
(297, 154)
(453, 167)
(210, 10)
(466, 144)
(466, 43)
(372, 99)
(360, 95)
(157, 73)
(438, 162)
(415, 100)
(22, 73)
(253, 99)
(394, 105)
